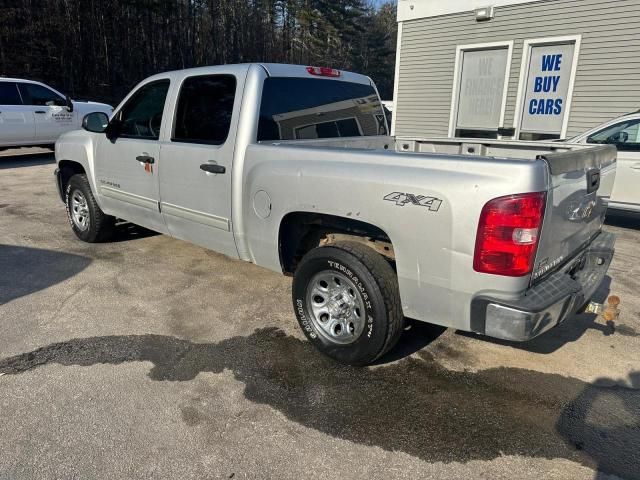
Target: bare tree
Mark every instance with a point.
(101, 48)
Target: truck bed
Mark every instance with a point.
(580, 181)
(507, 149)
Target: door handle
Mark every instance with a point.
(636, 166)
(212, 168)
(593, 180)
(41, 112)
(145, 159)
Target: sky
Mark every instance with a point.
(377, 3)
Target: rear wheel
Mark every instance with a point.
(87, 220)
(347, 301)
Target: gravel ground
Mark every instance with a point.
(151, 358)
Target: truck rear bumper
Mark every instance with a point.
(549, 302)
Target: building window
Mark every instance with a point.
(479, 95)
(546, 83)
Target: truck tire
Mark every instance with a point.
(347, 302)
(87, 220)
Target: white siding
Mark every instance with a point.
(607, 80)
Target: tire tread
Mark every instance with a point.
(102, 226)
(387, 280)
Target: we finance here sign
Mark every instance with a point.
(545, 100)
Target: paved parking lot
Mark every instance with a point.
(151, 358)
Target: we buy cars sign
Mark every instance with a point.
(547, 88)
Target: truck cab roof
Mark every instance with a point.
(273, 70)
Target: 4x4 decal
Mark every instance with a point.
(401, 199)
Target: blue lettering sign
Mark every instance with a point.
(551, 62)
(546, 84)
(542, 106)
(548, 107)
(537, 84)
(558, 107)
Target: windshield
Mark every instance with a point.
(307, 108)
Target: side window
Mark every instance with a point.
(9, 94)
(141, 116)
(34, 94)
(205, 106)
(624, 135)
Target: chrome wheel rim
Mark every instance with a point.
(336, 307)
(79, 210)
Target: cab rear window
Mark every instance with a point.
(309, 108)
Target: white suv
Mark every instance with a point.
(624, 133)
(32, 113)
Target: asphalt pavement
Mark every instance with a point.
(149, 357)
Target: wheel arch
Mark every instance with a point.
(301, 231)
(66, 170)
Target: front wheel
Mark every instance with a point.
(347, 302)
(87, 220)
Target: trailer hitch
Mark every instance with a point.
(609, 311)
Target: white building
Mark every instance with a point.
(515, 68)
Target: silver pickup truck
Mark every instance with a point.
(292, 168)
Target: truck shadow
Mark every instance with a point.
(416, 336)
(26, 270)
(571, 330)
(125, 232)
(414, 406)
(603, 421)
(28, 160)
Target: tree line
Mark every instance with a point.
(100, 49)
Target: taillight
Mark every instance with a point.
(323, 71)
(508, 234)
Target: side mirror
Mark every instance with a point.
(618, 137)
(113, 129)
(69, 103)
(96, 122)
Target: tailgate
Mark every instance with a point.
(581, 183)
